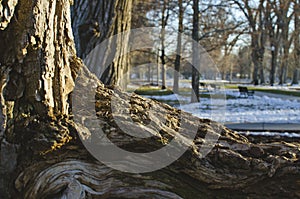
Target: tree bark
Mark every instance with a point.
(269, 170)
(39, 46)
(95, 21)
(43, 157)
(38, 67)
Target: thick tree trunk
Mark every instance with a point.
(234, 168)
(43, 157)
(38, 47)
(38, 67)
(95, 21)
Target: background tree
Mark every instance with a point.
(244, 62)
(165, 14)
(195, 53)
(274, 38)
(296, 41)
(254, 16)
(284, 16)
(178, 47)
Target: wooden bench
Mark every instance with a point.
(203, 86)
(244, 92)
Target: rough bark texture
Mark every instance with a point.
(94, 21)
(7, 9)
(38, 47)
(234, 168)
(42, 156)
(38, 63)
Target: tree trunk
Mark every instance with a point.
(274, 53)
(275, 37)
(256, 61)
(296, 42)
(283, 67)
(95, 21)
(43, 157)
(283, 22)
(39, 46)
(295, 77)
(269, 170)
(38, 68)
(178, 49)
(195, 97)
(164, 21)
(258, 51)
(262, 42)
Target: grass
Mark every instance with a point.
(267, 90)
(157, 91)
(281, 92)
(150, 90)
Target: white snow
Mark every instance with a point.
(295, 135)
(241, 110)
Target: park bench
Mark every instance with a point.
(203, 86)
(244, 92)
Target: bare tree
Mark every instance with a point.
(296, 41)
(178, 48)
(255, 19)
(284, 19)
(195, 97)
(274, 38)
(164, 20)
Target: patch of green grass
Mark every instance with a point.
(267, 90)
(217, 96)
(281, 92)
(157, 91)
(231, 86)
(148, 90)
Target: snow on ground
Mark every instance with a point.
(241, 110)
(295, 135)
